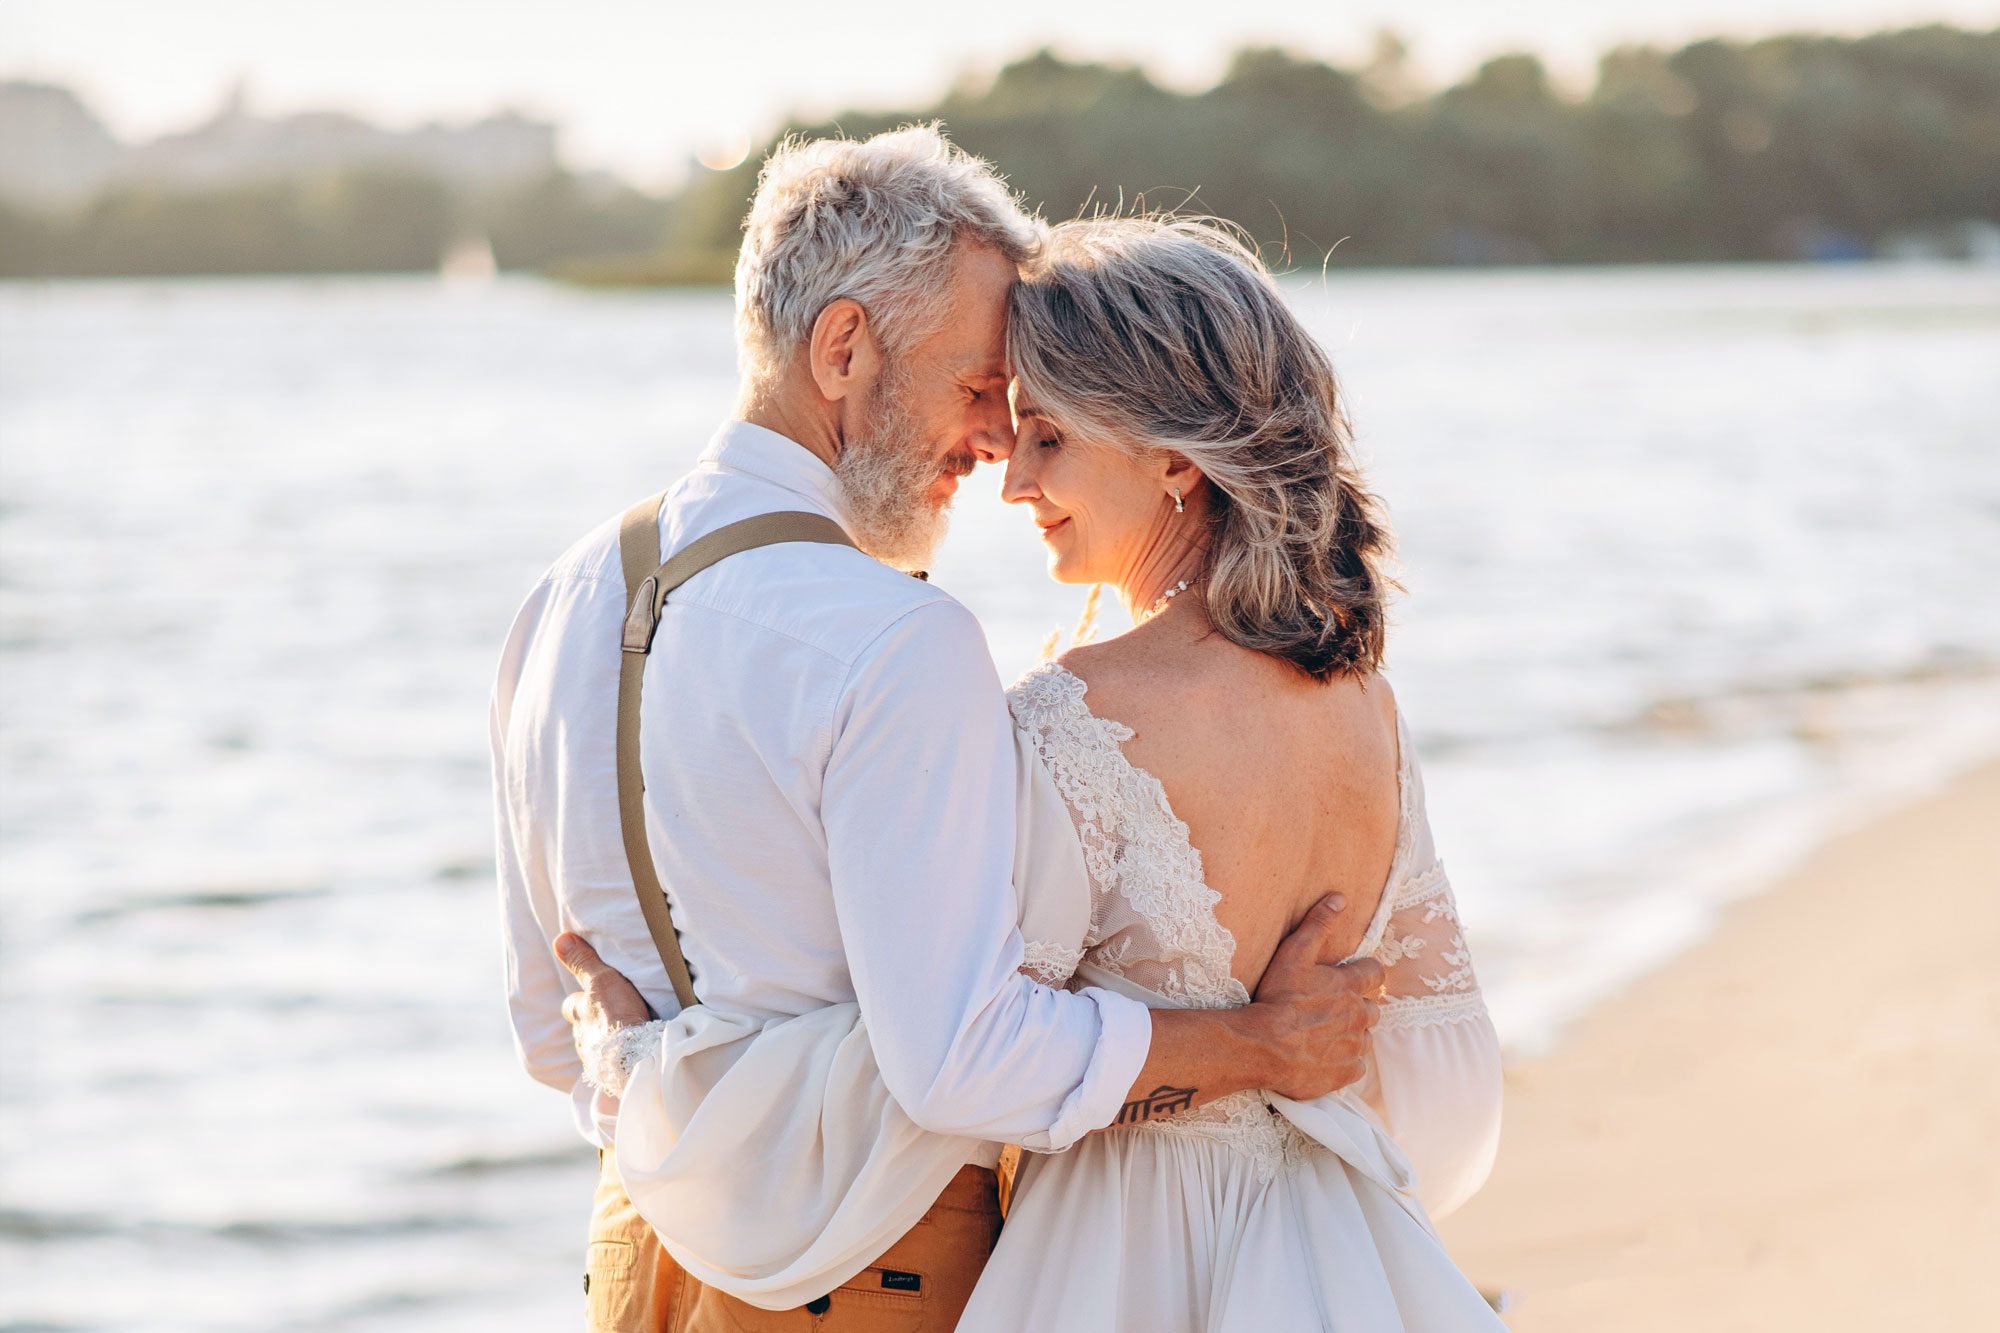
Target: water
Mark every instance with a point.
(1701, 563)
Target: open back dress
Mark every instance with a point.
(1251, 1212)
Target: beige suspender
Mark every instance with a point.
(647, 586)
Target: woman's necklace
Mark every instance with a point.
(1166, 597)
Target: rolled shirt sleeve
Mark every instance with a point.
(918, 809)
(535, 982)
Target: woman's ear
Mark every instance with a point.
(842, 352)
(1178, 473)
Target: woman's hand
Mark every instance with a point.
(607, 1001)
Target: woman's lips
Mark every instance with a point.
(1048, 528)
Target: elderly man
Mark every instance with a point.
(828, 763)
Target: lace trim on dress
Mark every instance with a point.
(1245, 1123)
(1136, 849)
(1425, 1011)
(1406, 836)
(1049, 963)
(1431, 884)
(608, 1062)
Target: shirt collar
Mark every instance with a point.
(754, 451)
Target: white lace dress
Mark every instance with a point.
(774, 1165)
(1251, 1212)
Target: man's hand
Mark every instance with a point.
(607, 999)
(1321, 1010)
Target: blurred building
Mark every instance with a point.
(55, 151)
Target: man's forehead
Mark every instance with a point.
(983, 279)
(983, 266)
(983, 368)
(974, 341)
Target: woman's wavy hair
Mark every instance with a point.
(1167, 333)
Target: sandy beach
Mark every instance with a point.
(1794, 1126)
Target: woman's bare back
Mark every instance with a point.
(1288, 786)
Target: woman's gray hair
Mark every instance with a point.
(874, 220)
(1167, 334)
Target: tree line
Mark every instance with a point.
(366, 219)
(1787, 147)
(1799, 146)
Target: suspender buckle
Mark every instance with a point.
(643, 620)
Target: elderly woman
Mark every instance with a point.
(1232, 757)
(1212, 773)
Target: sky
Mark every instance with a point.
(642, 86)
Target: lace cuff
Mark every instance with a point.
(1049, 963)
(609, 1061)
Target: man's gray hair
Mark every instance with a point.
(874, 220)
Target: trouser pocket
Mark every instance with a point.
(613, 1301)
(862, 1304)
(920, 1285)
(627, 1277)
(878, 1300)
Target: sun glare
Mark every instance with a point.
(725, 154)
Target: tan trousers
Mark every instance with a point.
(632, 1285)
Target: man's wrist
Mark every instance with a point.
(1251, 1041)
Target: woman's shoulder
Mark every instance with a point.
(1209, 692)
(1126, 677)
(1108, 673)
(1132, 679)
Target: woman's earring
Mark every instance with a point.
(1180, 505)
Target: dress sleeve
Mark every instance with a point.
(1434, 1075)
(1049, 872)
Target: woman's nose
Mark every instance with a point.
(1018, 487)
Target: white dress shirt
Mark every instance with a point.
(830, 791)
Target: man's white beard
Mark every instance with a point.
(887, 475)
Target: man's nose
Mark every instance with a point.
(993, 441)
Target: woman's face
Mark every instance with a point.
(1104, 512)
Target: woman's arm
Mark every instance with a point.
(1434, 1075)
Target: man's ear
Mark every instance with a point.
(842, 351)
